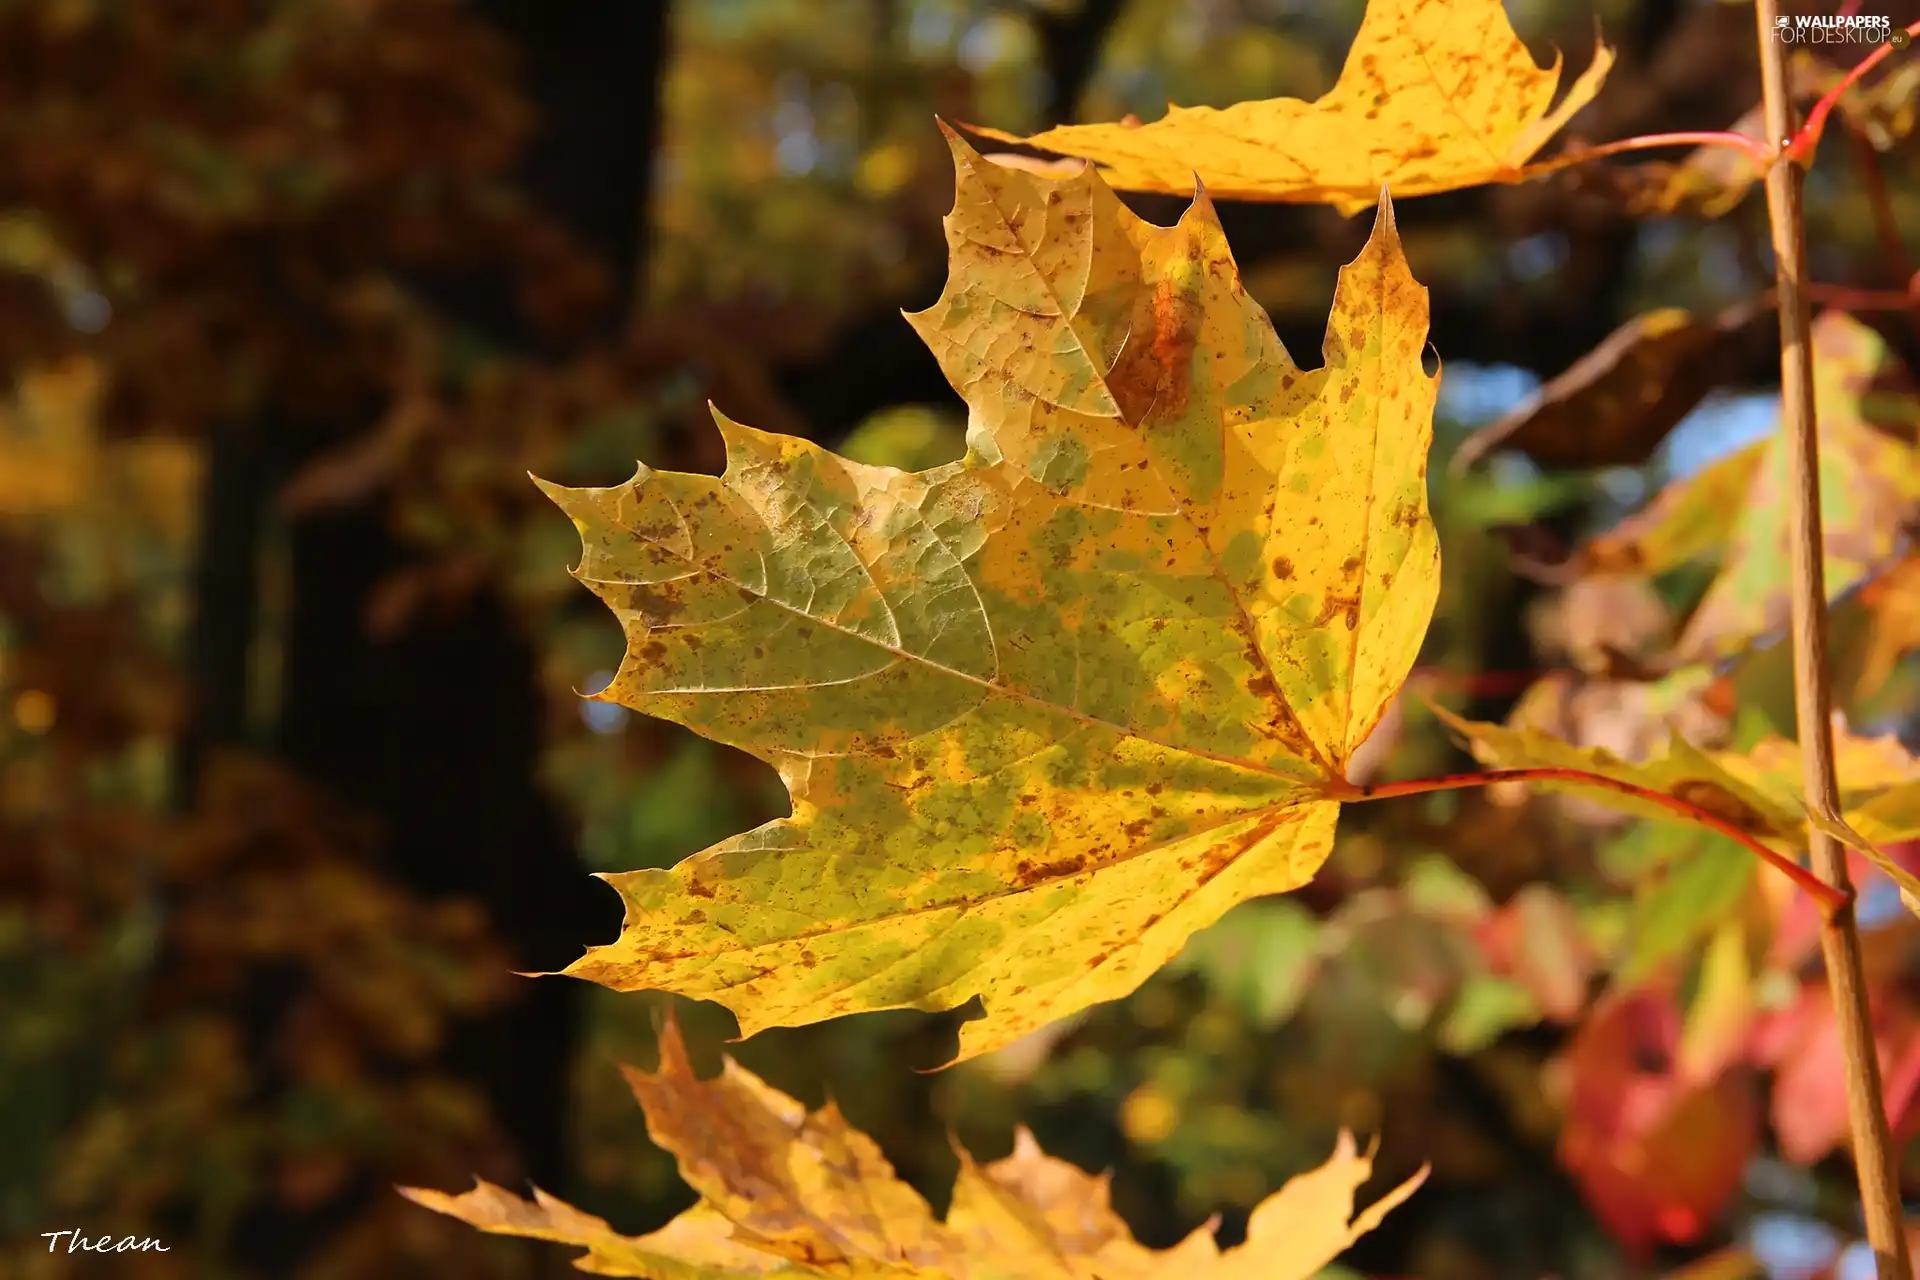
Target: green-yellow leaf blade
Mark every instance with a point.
(1757, 792)
(1046, 711)
(1735, 509)
(1684, 772)
(1869, 483)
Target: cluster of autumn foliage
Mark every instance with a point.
(1040, 715)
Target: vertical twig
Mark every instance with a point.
(1839, 935)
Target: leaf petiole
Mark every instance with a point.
(1829, 899)
(1756, 150)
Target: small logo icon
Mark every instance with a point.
(1900, 39)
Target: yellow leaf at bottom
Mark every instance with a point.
(793, 1193)
(697, 1245)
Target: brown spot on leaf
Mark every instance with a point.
(1347, 608)
(1282, 568)
(653, 604)
(1216, 860)
(659, 532)
(1721, 803)
(1032, 873)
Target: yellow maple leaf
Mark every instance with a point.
(1046, 711)
(1435, 95)
(787, 1192)
(697, 1245)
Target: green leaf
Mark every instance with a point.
(1703, 882)
(1261, 956)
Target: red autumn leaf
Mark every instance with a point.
(1658, 1156)
(1802, 1045)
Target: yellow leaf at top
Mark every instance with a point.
(1046, 711)
(790, 1193)
(1435, 95)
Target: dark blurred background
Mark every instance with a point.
(293, 771)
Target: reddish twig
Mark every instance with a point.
(1848, 298)
(1806, 140)
(1758, 151)
(1830, 900)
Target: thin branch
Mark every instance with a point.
(1884, 224)
(1848, 298)
(1759, 152)
(1874, 1163)
(1830, 900)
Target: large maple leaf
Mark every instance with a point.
(788, 1192)
(1045, 711)
(1435, 95)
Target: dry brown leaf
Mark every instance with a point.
(1615, 404)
